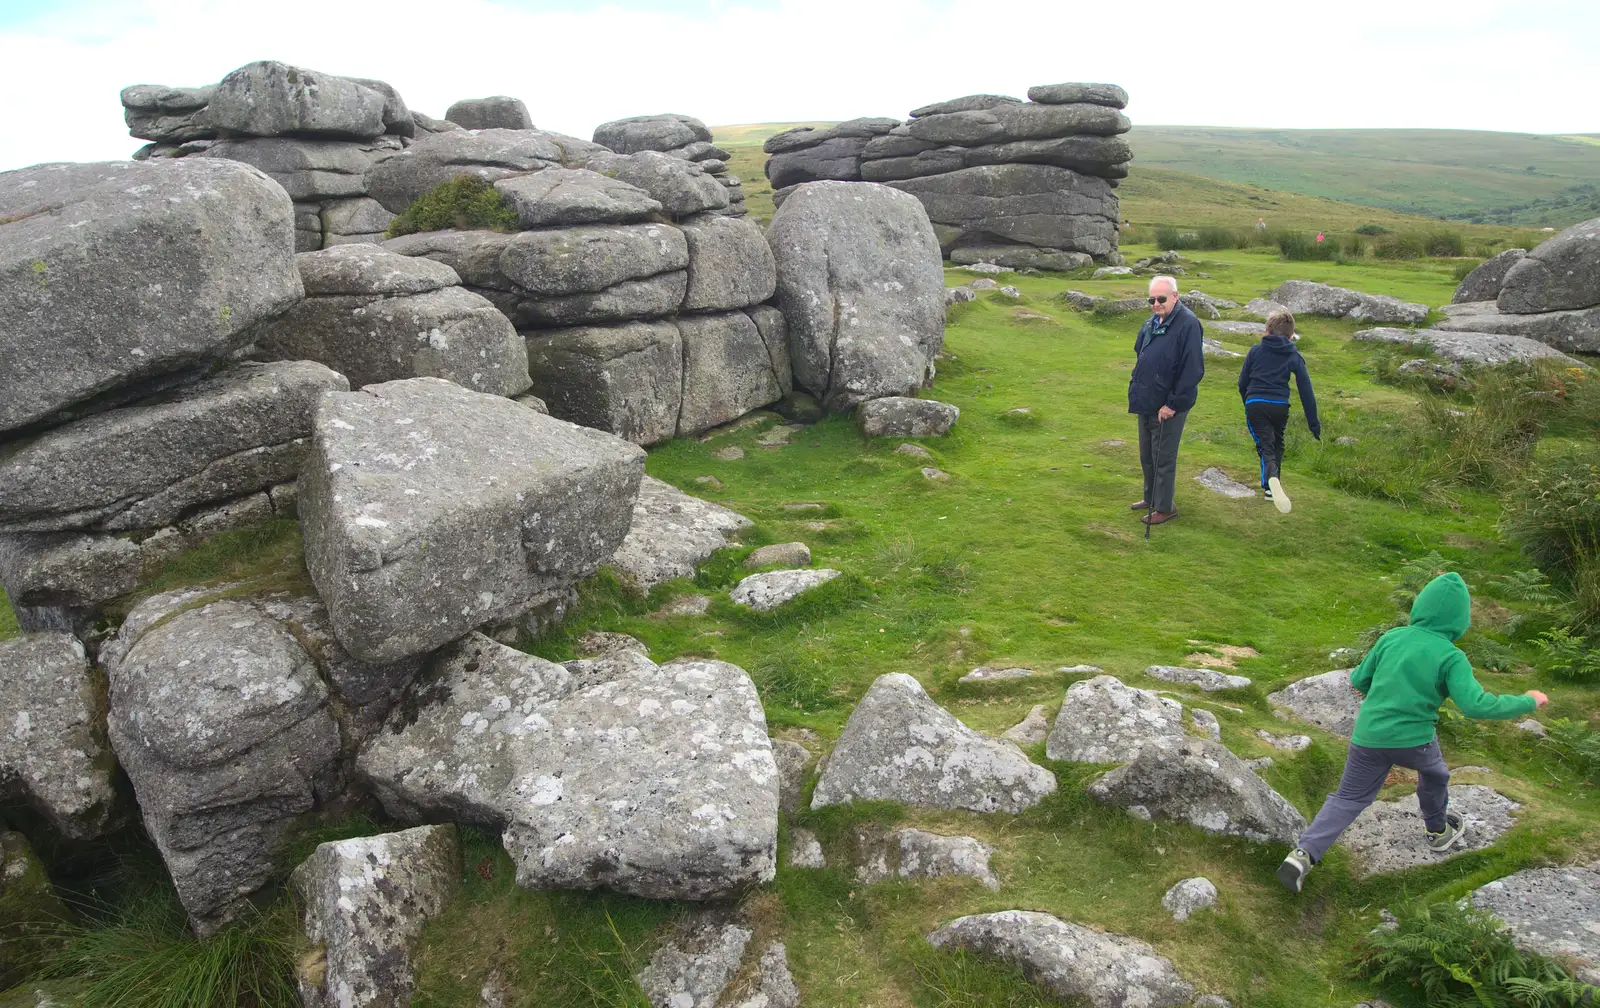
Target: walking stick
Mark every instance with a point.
(1156, 466)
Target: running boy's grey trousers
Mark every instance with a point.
(1364, 773)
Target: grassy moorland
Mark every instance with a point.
(1028, 555)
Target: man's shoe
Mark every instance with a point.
(1455, 828)
(1141, 506)
(1266, 494)
(1159, 517)
(1280, 500)
(1292, 873)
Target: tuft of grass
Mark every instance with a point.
(465, 202)
(959, 980)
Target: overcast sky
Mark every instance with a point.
(1526, 66)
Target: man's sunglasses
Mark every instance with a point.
(1159, 299)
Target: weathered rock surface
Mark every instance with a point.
(651, 132)
(563, 196)
(805, 851)
(916, 854)
(1560, 274)
(360, 219)
(166, 114)
(428, 510)
(1021, 256)
(898, 416)
(1104, 721)
(653, 780)
(363, 269)
(901, 746)
(1189, 896)
(268, 99)
(671, 535)
(1022, 121)
(987, 674)
(1031, 204)
(487, 154)
(1327, 701)
(794, 762)
(1201, 783)
(791, 554)
(309, 170)
(967, 103)
(366, 901)
(693, 970)
(222, 724)
(1031, 730)
(1208, 680)
(144, 466)
(1388, 836)
(682, 187)
(1572, 331)
(1096, 94)
(768, 591)
(626, 379)
(117, 274)
(67, 569)
(495, 112)
(1468, 347)
(860, 285)
(1554, 912)
(53, 752)
(1484, 282)
(728, 369)
(1071, 961)
(730, 264)
(1304, 297)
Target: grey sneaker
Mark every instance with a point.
(1455, 828)
(1292, 873)
(1280, 500)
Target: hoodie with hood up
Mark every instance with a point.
(1265, 377)
(1412, 669)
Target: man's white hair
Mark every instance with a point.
(1171, 282)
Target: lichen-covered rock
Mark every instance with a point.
(1575, 330)
(366, 901)
(653, 780)
(1560, 274)
(1188, 896)
(428, 510)
(790, 554)
(53, 751)
(664, 132)
(682, 187)
(1553, 912)
(267, 99)
(768, 591)
(488, 154)
(728, 370)
(166, 114)
(494, 112)
(221, 721)
(860, 285)
(625, 378)
(1201, 783)
(730, 263)
(1207, 723)
(1327, 701)
(145, 466)
(114, 275)
(1096, 94)
(1071, 961)
(67, 569)
(367, 269)
(1389, 835)
(555, 197)
(794, 763)
(1029, 204)
(1469, 347)
(671, 535)
(901, 746)
(1485, 280)
(898, 416)
(309, 170)
(693, 970)
(1031, 730)
(1104, 721)
(1207, 680)
(1305, 297)
(916, 854)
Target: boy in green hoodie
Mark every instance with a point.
(1405, 678)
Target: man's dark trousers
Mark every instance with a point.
(1266, 421)
(1158, 456)
(1365, 770)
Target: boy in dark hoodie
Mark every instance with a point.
(1264, 387)
(1405, 678)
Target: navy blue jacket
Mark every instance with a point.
(1265, 377)
(1170, 363)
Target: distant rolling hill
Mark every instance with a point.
(1465, 175)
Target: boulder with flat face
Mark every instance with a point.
(166, 114)
(682, 187)
(142, 467)
(1305, 297)
(497, 112)
(1103, 721)
(653, 780)
(899, 416)
(309, 170)
(1030, 204)
(1201, 783)
(1098, 94)
(1484, 282)
(1021, 121)
(626, 379)
(1560, 274)
(1574, 331)
(969, 103)
(671, 535)
(115, 275)
(1327, 701)
(727, 370)
(730, 263)
(555, 197)
(268, 99)
(901, 746)
(862, 289)
(429, 509)
(651, 132)
(1553, 912)
(1467, 347)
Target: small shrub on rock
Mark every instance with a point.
(466, 202)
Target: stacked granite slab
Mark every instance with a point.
(681, 136)
(640, 299)
(129, 427)
(1550, 294)
(1016, 183)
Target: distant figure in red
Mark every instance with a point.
(1319, 238)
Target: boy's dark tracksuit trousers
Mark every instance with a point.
(1267, 421)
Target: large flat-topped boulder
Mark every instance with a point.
(53, 752)
(1485, 280)
(626, 379)
(486, 154)
(1070, 960)
(671, 535)
(1327, 701)
(578, 260)
(309, 170)
(966, 103)
(142, 467)
(1105, 156)
(1201, 783)
(665, 132)
(1469, 348)
(429, 509)
(560, 196)
(1553, 912)
(1389, 836)
(366, 901)
(116, 274)
(1023, 121)
(1104, 721)
(901, 746)
(801, 137)
(862, 289)
(269, 99)
(1096, 94)
(222, 724)
(494, 112)
(652, 780)
(367, 269)
(1306, 297)
(1573, 331)
(166, 114)
(1020, 203)
(1560, 274)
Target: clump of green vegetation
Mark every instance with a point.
(1371, 229)
(1460, 958)
(1576, 745)
(1169, 238)
(1298, 246)
(1554, 516)
(466, 202)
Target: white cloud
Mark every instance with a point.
(1464, 64)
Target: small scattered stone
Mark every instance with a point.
(1104, 721)
(958, 295)
(729, 453)
(1114, 443)
(779, 436)
(805, 851)
(602, 643)
(1189, 896)
(1208, 680)
(1259, 763)
(1032, 729)
(1325, 700)
(985, 267)
(1533, 727)
(985, 674)
(913, 853)
(1010, 291)
(765, 592)
(1346, 440)
(709, 482)
(805, 506)
(1217, 481)
(1207, 723)
(1111, 271)
(984, 283)
(790, 554)
(936, 475)
(686, 605)
(1080, 670)
(793, 761)
(1290, 743)
(914, 450)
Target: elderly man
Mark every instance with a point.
(1166, 380)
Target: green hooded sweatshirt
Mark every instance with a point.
(1409, 672)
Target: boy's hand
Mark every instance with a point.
(1538, 698)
